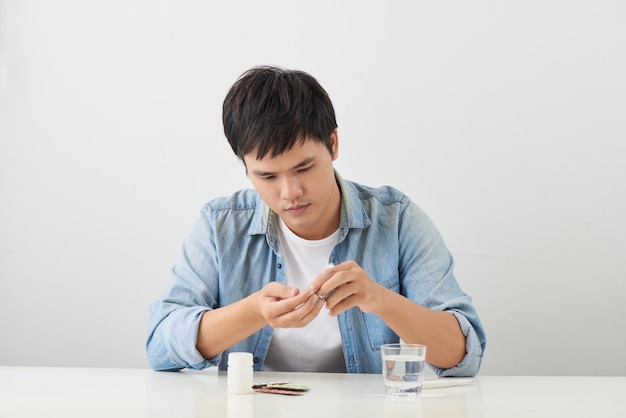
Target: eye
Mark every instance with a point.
(304, 169)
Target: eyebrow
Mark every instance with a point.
(301, 164)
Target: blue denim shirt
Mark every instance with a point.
(233, 251)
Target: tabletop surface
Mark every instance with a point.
(93, 392)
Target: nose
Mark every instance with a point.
(290, 188)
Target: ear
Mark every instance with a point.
(334, 141)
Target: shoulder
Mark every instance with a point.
(242, 207)
(241, 212)
(383, 195)
(382, 203)
(244, 199)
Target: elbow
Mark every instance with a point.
(159, 359)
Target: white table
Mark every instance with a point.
(85, 392)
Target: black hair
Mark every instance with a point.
(270, 108)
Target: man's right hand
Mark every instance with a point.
(287, 307)
(275, 305)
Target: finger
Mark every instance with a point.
(339, 278)
(312, 306)
(303, 315)
(316, 306)
(280, 291)
(279, 313)
(294, 302)
(339, 294)
(323, 277)
(341, 305)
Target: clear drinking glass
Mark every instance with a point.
(403, 368)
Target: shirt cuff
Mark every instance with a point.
(470, 364)
(181, 337)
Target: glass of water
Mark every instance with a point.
(403, 368)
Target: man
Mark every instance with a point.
(308, 271)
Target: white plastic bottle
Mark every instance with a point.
(240, 373)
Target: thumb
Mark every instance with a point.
(280, 291)
(289, 292)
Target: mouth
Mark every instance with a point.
(296, 209)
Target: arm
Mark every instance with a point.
(351, 286)
(174, 343)
(201, 313)
(275, 305)
(404, 273)
(439, 331)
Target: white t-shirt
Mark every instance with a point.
(317, 346)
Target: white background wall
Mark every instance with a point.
(503, 120)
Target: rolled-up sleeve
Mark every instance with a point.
(474, 348)
(171, 344)
(175, 318)
(430, 281)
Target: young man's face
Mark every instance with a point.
(300, 186)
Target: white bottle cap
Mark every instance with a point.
(236, 359)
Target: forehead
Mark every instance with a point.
(299, 154)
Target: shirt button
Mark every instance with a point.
(255, 360)
(280, 266)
